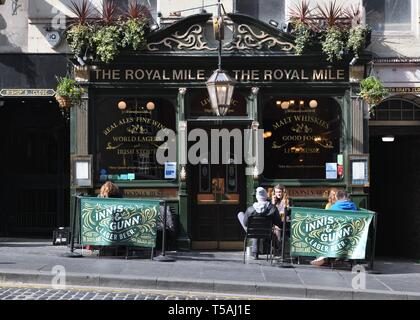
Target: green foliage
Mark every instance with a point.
(68, 87)
(372, 90)
(356, 39)
(133, 33)
(302, 37)
(107, 40)
(333, 44)
(78, 37)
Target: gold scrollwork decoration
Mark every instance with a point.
(246, 38)
(111, 147)
(192, 39)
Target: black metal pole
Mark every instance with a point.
(220, 33)
(162, 257)
(283, 244)
(372, 254)
(72, 254)
(164, 230)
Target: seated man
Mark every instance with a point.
(343, 203)
(260, 208)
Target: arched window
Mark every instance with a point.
(398, 108)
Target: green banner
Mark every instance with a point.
(329, 233)
(107, 221)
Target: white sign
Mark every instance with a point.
(170, 170)
(331, 170)
(359, 172)
(82, 170)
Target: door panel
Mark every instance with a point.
(217, 194)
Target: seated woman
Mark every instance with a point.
(109, 190)
(280, 199)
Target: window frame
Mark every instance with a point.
(413, 30)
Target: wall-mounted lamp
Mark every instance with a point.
(183, 174)
(388, 139)
(81, 62)
(150, 106)
(353, 61)
(220, 86)
(301, 103)
(255, 90)
(154, 27)
(122, 105)
(285, 105)
(255, 174)
(313, 104)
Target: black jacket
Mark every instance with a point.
(262, 210)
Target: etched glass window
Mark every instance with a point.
(301, 135)
(126, 144)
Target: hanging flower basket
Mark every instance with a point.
(68, 92)
(63, 101)
(372, 91)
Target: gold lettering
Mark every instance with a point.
(129, 74)
(200, 75)
(278, 74)
(318, 75)
(116, 74)
(164, 76)
(255, 75)
(295, 75)
(177, 75)
(268, 75)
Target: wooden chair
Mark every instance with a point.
(260, 228)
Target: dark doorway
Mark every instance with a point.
(34, 168)
(217, 193)
(395, 190)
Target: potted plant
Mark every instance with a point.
(333, 44)
(301, 19)
(80, 31)
(372, 91)
(68, 92)
(134, 26)
(358, 33)
(107, 38)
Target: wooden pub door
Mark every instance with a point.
(217, 193)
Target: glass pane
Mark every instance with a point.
(249, 7)
(298, 139)
(264, 10)
(271, 10)
(126, 139)
(393, 15)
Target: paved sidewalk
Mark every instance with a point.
(32, 261)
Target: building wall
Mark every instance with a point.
(14, 26)
(23, 24)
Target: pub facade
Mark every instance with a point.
(300, 114)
